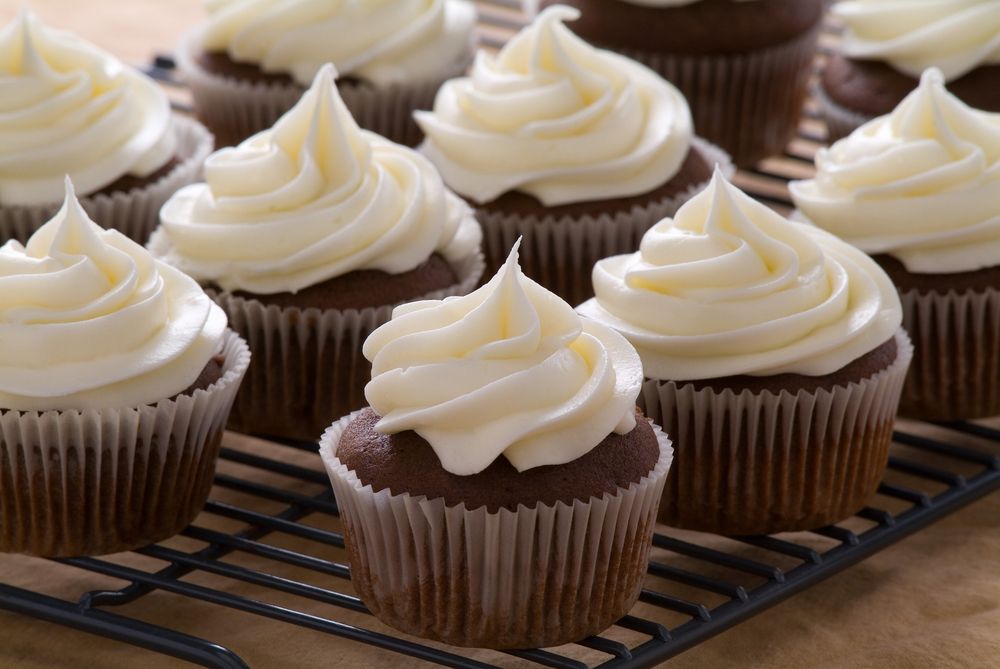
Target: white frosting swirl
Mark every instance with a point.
(956, 36)
(509, 369)
(313, 198)
(67, 107)
(556, 118)
(380, 41)
(729, 287)
(88, 319)
(921, 184)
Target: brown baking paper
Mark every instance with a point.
(534, 577)
(135, 213)
(560, 253)
(747, 103)
(308, 368)
(101, 481)
(235, 110)
(763, 463)
(955, 373)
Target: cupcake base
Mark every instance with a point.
(94, 482)
(538, 576)
(765, 462)
(559, 246)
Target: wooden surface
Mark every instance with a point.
(932, 601)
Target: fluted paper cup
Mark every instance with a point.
(234, 110)
(102, 481)
(134, 213)
(539, 576)
(761, 463)
(308, 367)
(560, 253)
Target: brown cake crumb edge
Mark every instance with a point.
(406, 463)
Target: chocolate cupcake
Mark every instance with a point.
(743, 66)
(574, 150)
(117, 374)
(252, 61)
(919, 189)
(307, 235)
(773, 357)
(502, 490)
(887, 44)
(72, 109)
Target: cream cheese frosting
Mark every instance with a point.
(921, 184)
(554, 117)
(507, 370)
(381, 41)
(729, 287)
(89, 320)
(312, 198)
(66, 107)
(956, 36)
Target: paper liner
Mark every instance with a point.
(955, 373)
(840, 121)
(748, 103)
(234, 110)
(534, 577)
(560, 253)
(102, 481)
(763, 463)
(308, 367)
(136, 212)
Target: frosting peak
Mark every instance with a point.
(312, 198)
(729, 287)
(954, 35)
(554, 117)
(88, 319)
(67, 107)
(381, 41)
(509, 369)
(921, 184)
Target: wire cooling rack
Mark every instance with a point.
(281, 541)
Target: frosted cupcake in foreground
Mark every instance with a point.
(576, 150)
(503, 472)
(773, 357)
(117, 374)
(887, 44)
(66, 107)
(308, 234)
(743, 65)
(253, 59)
(919, 189)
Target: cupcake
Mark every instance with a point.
(743, 66)
(887, 44)
(68, 108)
(308, 234)
(117, 374)
(501, 490)
(577, 151)
(253, 59)
(773, 357)
(919, 190)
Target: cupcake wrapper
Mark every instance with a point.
(536, 577)
(840, 121)
(308, 367)
(235, 110)
(135, 213)
(101, 481)
(560, 253)
(765, 463)
(956, 370)
(747, 103)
